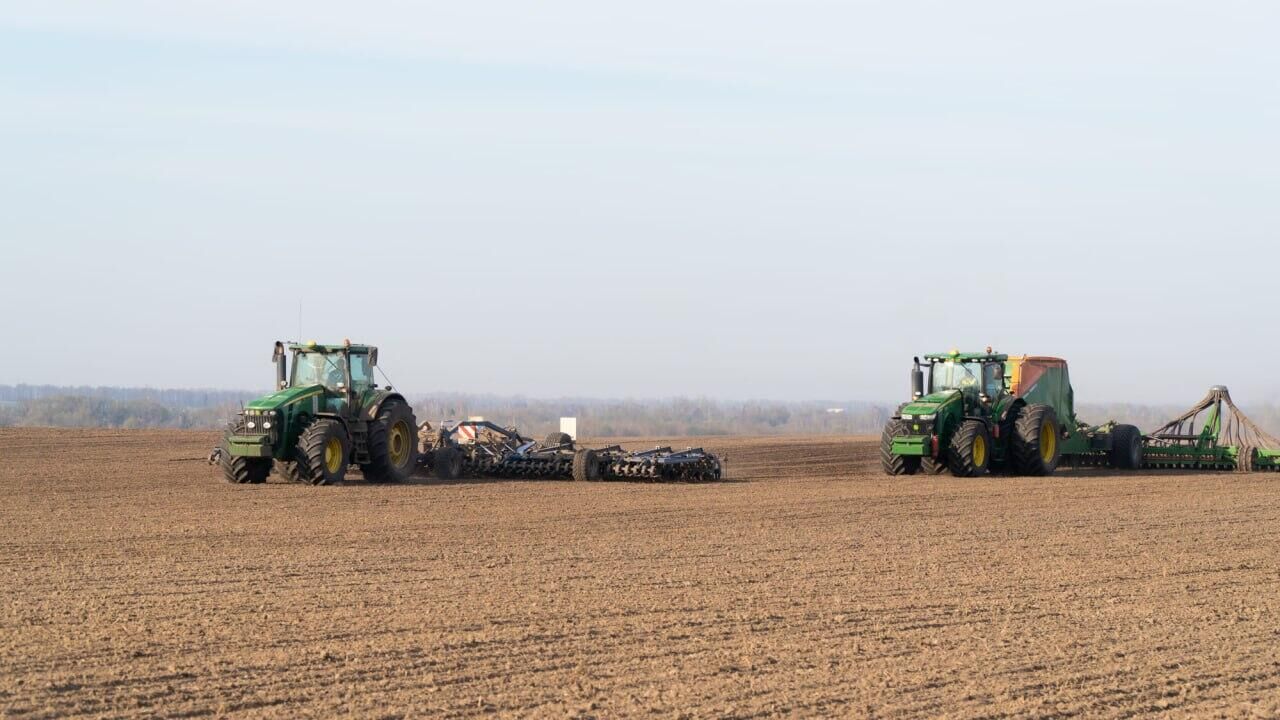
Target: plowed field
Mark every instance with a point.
(133, 582)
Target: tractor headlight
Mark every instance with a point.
(931, 416)
(250, 424)
(266, 424)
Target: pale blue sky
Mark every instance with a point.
(751, 199)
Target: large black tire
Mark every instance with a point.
(287, 469)
(448, 463)
(895, 464)
(969, 452)
(934, 466)
(242, 470)
(586, 466)
(1035, 442)
(393, 444)
(323, 453)
(558, 438)
(1126, 448)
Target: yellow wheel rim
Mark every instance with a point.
(333, 455)
(979, 451)
(399, 444)
(1048, 442)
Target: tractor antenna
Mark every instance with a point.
(299, 319)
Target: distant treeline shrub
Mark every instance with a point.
(679, 416)
(145, 407)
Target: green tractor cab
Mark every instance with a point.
(325, 415)
(972, 413)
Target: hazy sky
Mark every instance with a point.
(734, 199)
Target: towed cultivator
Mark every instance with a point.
(661, 464)
(480, 448)
(1228, 440)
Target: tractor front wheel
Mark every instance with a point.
(323, 453)
(969, 454)
(243, 470)
(393, 446)
(1035, 441)
(287, 469)
(891, 463)
(934, 466)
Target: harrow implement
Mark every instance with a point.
(479, 448)
(1228, 439)
(662, 464)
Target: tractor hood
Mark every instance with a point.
(288, 396)
(930, 404)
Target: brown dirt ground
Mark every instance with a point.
(133, 584)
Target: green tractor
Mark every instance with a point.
(972, 413)
(324, 417)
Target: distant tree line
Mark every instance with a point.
(677, 416)
(28, 405)
(114, 407)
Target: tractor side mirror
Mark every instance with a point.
(373, 356)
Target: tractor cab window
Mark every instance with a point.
(956, 375)
(316, 368)
(992, 379)
(361, 372)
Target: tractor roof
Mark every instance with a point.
(312, 346)
(967, 357)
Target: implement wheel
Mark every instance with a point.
(557, 439)
(448, 463)
(323, 453)
(1035, 441)
(969, 454)
(586, 466)
(1126, 448)
(895, 464)
(393, 444)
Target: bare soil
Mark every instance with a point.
(133, 582)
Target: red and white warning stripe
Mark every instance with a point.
(465, 433)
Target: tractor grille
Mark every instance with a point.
(259, 419)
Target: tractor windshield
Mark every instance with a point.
(953, 375)
(314, 368)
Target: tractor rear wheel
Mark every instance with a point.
(586, 466)
(1035, 441)
(969, 454)
(448, 463)
(323, 453)
(889, 462)
(393, 445)
(243, 470)
(1126, 448)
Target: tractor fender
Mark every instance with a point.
(375, 402)
(1017, 404)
